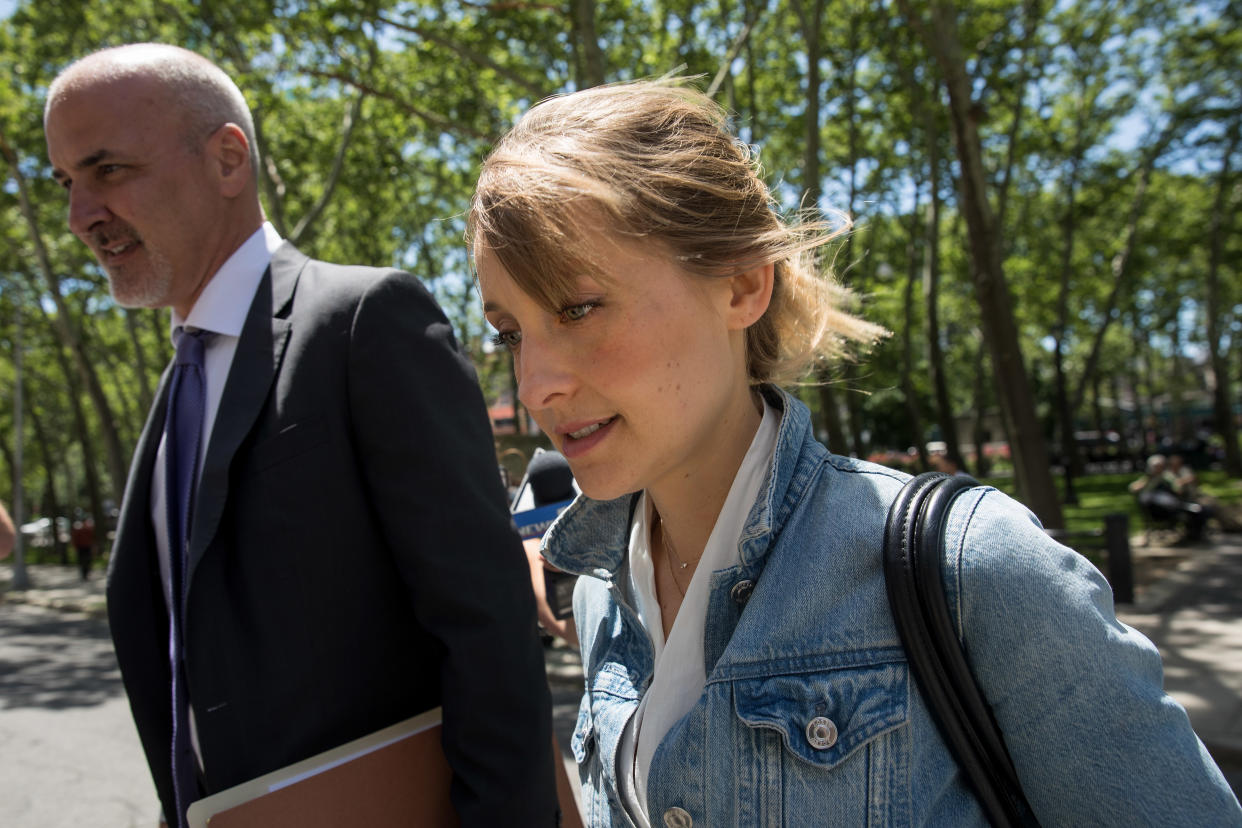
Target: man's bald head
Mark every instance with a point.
(196, 91)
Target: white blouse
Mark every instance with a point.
(679, 673)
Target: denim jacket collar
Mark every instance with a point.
(591, 537)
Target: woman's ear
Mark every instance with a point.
(751, 293)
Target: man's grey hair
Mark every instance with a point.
(205, 97)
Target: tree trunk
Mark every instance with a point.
(1027, 446)
(935, 356)
(1119, 265)
(83, 434)
(1152, 428)
(811, 20)
(1179, 423)
(141, 367)
(926, 118)
(66, 331)
(1222, 393)
(913, 415)
(590, 62)
(55, 507)
(853, 399)
(1032, 13)
(979, 432)
(1071, 464)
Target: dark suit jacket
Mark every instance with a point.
(351, 556)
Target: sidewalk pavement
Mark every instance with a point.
(57, 587)
(1192, 611)
(1193, 615)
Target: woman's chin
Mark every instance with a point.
(598, 489)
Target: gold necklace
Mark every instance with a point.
(668, 544)
(668, 558)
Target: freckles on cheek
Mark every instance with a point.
(611, 360)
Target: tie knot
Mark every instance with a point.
(190, 346)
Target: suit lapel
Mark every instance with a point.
(257, 361)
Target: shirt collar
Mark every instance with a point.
(591, 537)
(222, 306)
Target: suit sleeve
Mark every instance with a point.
(1077, 693)
(421, 427)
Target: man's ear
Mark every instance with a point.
(751, 293)
(229, 154)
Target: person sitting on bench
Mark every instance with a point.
(1158, 498)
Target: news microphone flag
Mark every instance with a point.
(532, 523)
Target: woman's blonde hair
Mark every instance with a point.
(654, 160)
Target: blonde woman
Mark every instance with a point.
(742, 666)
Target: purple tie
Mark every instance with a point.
(183, 432)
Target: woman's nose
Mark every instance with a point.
(545, 372)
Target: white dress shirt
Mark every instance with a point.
(679, 676)
(221, 308)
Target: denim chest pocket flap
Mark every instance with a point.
(612, 694)
(583, 741)
(825, 716)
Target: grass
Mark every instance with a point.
(1103, 494)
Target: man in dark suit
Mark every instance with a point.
(346, 559)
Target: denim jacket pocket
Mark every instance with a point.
(823, 717)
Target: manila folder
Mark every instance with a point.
(397, 776)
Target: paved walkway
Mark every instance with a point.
(1189, 603)
(1194, 616)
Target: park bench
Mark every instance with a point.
(1163, 510)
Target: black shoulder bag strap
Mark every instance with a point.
(913, 551)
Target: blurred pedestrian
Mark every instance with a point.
(82, 536)
(945, 464)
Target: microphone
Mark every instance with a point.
(550, 478)
(549, 488)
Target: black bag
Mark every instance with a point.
(913, 549)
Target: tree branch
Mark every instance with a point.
(302, 231)
(730, 56)
(433, 120)
(469, 54)
(1118, 265)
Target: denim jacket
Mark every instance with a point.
(810, 715)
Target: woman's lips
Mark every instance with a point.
(579, 441)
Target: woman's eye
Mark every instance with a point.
(506, 339)
(575, 312)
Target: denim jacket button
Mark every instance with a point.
(677, 818)
(741, 592)
(821, 733)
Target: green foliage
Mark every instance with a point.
(373, 116)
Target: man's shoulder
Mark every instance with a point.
(355, 276)
(342, 285)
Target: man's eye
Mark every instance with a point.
(107, 169)
(575, 312)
